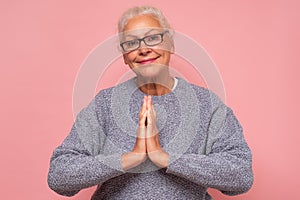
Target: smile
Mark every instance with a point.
(147, 61)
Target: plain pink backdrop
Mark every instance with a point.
(255, 45)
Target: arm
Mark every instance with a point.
(78, 163)
(228, 164)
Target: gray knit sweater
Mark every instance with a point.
(202, 136)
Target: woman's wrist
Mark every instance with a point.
(132, 159)
(159, 158)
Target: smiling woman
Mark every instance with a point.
(154, 136)
(147, 49)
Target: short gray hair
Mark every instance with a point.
(142, 10)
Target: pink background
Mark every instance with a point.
(255, 45)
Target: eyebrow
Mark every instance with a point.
(145, 34)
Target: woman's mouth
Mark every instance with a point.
(147, 61)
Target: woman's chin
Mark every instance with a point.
(150, 71)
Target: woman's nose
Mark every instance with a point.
(144, 49)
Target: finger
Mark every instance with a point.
(152, 114)
(149, 104)
(151, 127)
(149, 118)
(143, 113)
(148, 101)
(144, 104)
(143, 117)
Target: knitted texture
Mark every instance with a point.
(201, 134)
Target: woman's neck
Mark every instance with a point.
(155, 86)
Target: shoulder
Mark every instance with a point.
(105, 94)
(204, 95)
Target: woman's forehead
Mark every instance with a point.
(141, 32)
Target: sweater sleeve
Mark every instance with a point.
(227, 164)
(79, 161)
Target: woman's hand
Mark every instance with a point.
(147, 141)
(154, 151)
(138, 153)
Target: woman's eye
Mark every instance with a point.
(153, 37)
(131, 43)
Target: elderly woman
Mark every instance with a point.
(154, 136)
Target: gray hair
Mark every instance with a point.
(142, 10)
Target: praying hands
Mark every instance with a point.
(147, 140)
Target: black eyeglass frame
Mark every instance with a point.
(143, 39)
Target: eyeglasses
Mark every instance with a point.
(149, 40)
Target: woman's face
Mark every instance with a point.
(147, 61)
